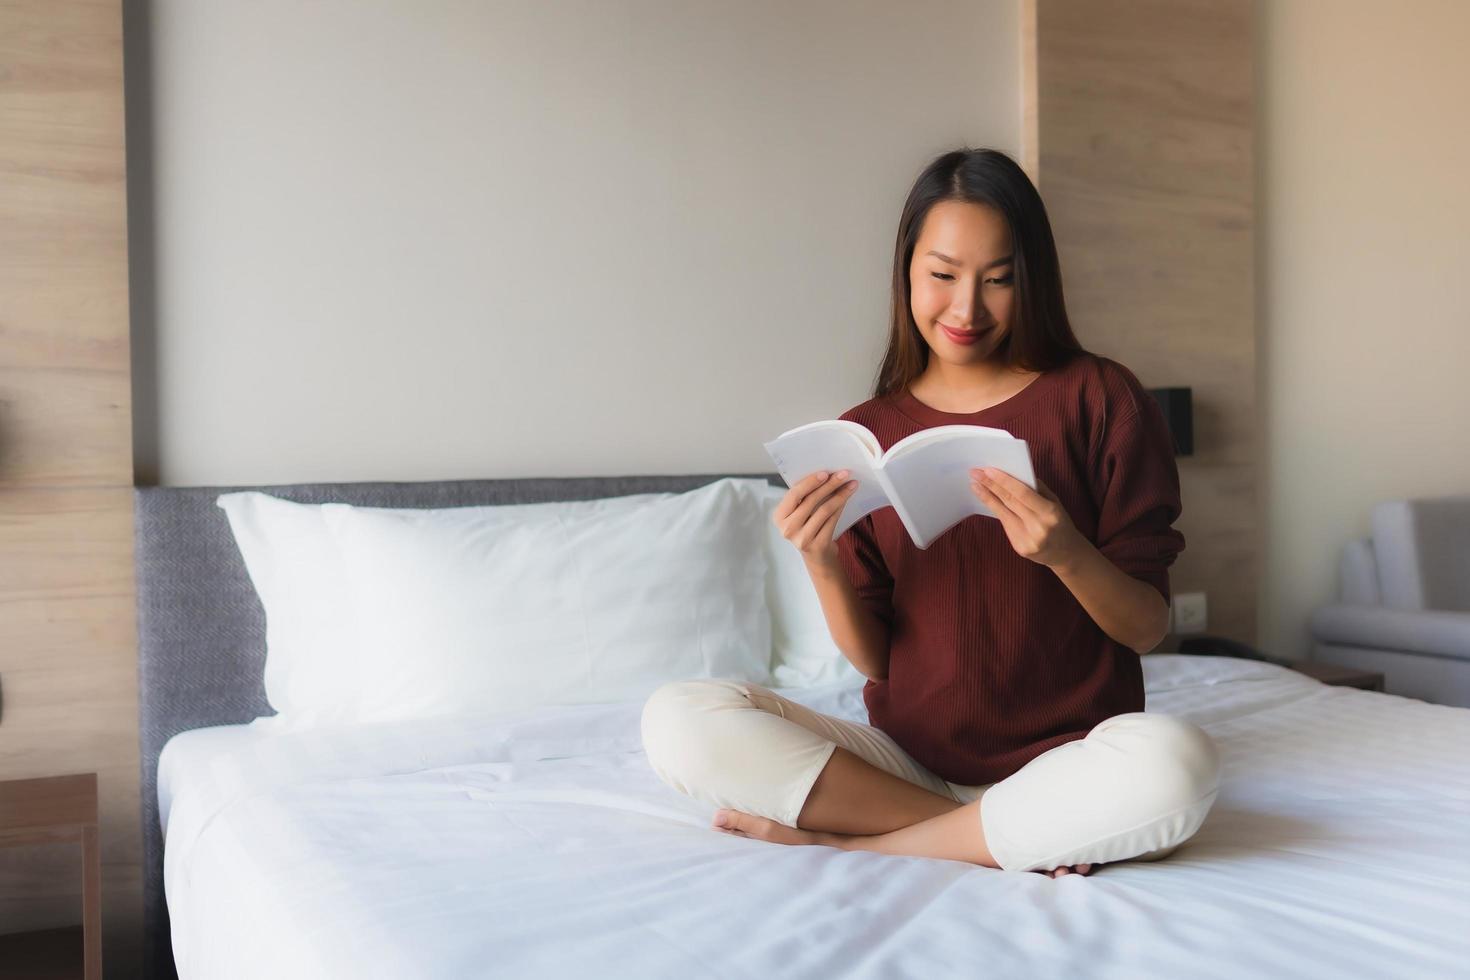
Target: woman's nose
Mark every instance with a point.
(963, 305)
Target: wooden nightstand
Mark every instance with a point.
(1340, 676)
(52, 810)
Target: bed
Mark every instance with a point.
(539, 843)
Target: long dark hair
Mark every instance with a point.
(1040, 337)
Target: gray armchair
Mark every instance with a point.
(1404, 601)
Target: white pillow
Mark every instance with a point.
(467, 613)
(301, 581)
(802, 651)
(298, 572)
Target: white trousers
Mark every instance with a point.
(1135, 788)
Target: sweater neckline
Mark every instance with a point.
(924, 414)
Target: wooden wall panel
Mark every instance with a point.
(1142, 147)
(68, 639)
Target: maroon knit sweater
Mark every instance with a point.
(992, 660)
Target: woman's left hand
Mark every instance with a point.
(1037, 524)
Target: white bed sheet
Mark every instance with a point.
(542, 844)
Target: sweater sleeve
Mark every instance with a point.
(861, 559)
(1139, 493)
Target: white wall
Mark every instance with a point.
(1364, 285)
(372, 222)
(460, 239)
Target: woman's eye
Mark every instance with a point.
(998, 280)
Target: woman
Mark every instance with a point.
(1004, 686)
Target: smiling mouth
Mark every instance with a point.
(964, 333)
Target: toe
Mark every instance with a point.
(761, 828)
(738, 822)
(753, 826)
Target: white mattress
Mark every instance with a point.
(543, 845)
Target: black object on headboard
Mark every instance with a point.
(201, 628)
(1178, 407)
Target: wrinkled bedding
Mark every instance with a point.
(542, 844)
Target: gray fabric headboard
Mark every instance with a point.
(201, 628)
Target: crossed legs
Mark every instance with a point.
(1134, 788)
(844, 785)
(856, 806)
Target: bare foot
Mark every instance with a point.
(1067, 869)
(738, 823)
(741, 824)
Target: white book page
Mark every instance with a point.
(931, 476)
(832, 445)
(909, 442)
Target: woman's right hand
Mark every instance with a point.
(809, 512)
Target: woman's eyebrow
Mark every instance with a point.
(1003, 260)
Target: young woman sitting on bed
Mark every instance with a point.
(1004, 685)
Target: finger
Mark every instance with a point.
(1016, 494)
(831, 511)
(989, 499)
(997, 506)
(824, 533)
(811, 502)
(1046, 491)
(826, 516)
(798, 493)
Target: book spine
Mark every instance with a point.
(899, 508)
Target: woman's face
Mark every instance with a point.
(960, 281)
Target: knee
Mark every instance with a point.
(679, 724)
(1183, 759)
(1189, 758)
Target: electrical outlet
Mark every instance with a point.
(1188, 613)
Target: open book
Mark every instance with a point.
(924, 477)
